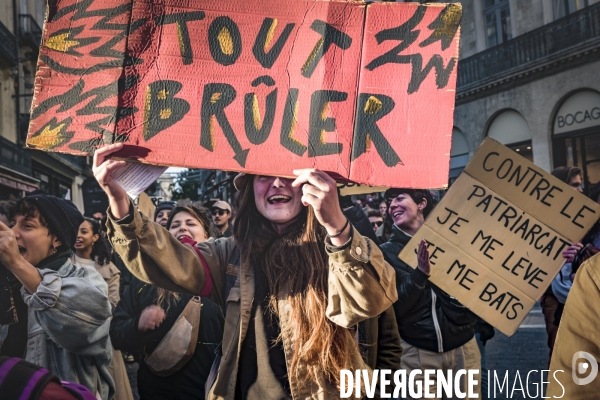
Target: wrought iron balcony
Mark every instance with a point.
(14, 157)
(571, 36)
(8, 47)
(29, 30)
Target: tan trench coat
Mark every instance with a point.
(361, 286)
(578, 332)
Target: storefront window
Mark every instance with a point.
(64, 190)
(44, 181)
(592, 158)
(512, 130)
(459, 154)
(523, 148)
(576, 135)
(51, 182)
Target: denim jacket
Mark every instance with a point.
(68, 327)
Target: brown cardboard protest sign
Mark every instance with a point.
(496, 238)
(257, 86)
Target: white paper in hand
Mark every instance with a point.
(135, 177)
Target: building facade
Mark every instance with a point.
(528, 77)
(23, 170)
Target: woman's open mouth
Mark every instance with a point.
(279, 199)
(184, 235)
(22, 250)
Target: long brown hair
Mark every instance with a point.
(202, 215)
(297, 263)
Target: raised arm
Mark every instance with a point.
(153, 255)
(362, 284)
(150, 252)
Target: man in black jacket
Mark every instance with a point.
(437, 331)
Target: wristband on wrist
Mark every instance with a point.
(341, 230)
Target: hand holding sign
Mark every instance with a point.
(501, 234)
(571, 251)
(423, 258)
(320, 192)
(103, 169)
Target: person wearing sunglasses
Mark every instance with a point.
(221, 213)
(375, 219)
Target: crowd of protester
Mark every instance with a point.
(268, 299)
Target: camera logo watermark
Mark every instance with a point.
(581, 367)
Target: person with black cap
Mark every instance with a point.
(68, 311)
(162, 212)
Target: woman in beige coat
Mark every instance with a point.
(93, 251)
(295, 280)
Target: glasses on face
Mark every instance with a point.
(376, 224)
(218, 211)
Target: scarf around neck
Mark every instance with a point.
(55, 261)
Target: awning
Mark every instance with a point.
(17, 180)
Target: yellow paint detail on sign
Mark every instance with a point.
(225, 41)
(61, 43)
(373, 105)
(48, 138)
(165, 113)
(270, 34)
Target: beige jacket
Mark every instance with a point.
(361, 286)
(578, 332)
(111, 275)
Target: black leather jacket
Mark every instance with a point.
(428, 317)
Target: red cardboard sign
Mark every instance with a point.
(260, 86)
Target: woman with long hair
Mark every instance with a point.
(294, 281)
(147, 314)
(93, 250)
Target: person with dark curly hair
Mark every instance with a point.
(93, 250)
